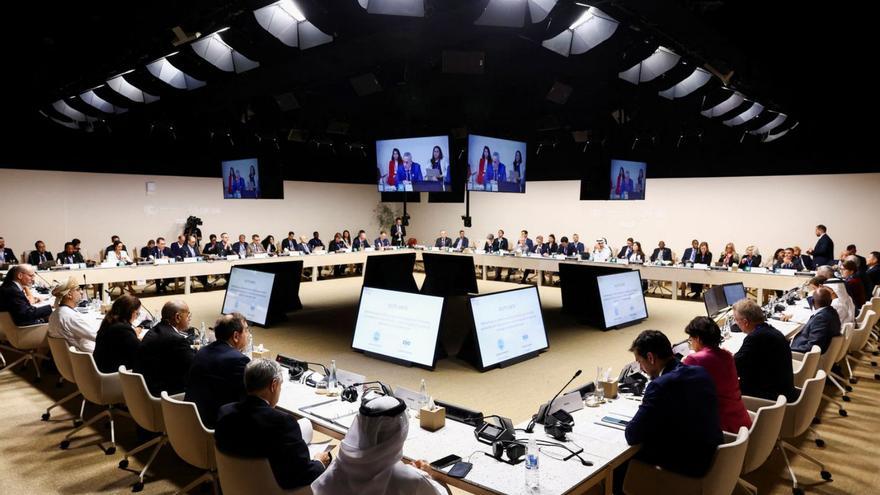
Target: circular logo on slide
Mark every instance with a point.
(525, 336)
(500, 344)
(376, 336)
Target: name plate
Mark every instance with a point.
(479, 251)
(758, 269)
(295, 253)
(261, 255)
(190, 260)
(787, 271)
(701, 266)
(108, 264)
(347, 378)
(369, 250)
(161, 261)
(231, 257)
(622, 261)
(410, 397)
(559, 256)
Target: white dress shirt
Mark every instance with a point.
(78, 329)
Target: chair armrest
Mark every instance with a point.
(755, 403)
(728, 437)
(797, 356)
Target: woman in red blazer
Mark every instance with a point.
(392, 167)
(484, 160)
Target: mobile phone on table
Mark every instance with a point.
(445, 461)
(615, 421)
(460, 469)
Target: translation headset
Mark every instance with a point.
(375, 390)
(514, 451)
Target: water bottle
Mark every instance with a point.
(532, 476)
(249, 349)
(331, 380)
(423, 396)
(203, 336)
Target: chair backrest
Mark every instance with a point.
(876, 292)
(23, 338)
(98, 388)
(4, 317)
(809, 365)
(847, 332)
(862, 333)
(829, 357)
(61, 356)
(800, 413)
(188, 436)
(145, 409)
(243, 476)
(723, 476)
(763, 434)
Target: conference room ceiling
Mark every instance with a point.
(318, 110)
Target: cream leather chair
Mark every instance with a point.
(859, 341)
(61, 356)
(243, 476)
(827, 360)
(146, 410)
(26, 340)
(190, 439)
(721, 479)
(804, 365)
(103, 389)
(766, 424)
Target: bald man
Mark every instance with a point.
(821, 327)
(165, 355)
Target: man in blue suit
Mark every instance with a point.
(217, 373)
(821, 327)
(6, 254)
(408, 170)
(500, 169)
(158, 252)
(690, 254)
(677, 425)
(177, 247)
(823, 253)
(17, 299)
(290, 243)
(461, 242)
(382, 242)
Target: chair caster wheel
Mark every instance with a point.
(45, 417)
(874, 363)
(797, 491)
(825, 475)
(110, 451)
(64, 444)
(847, 398)
(77, 422)
(820, 443)
(137, 487)
(843, 412)
(123, 464)
(849, 388)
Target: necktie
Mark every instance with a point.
(42, 258)
(2, 255)
(693, 254)
(27, 291)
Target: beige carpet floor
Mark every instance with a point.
(31, 462)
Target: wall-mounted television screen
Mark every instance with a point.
(420, 164)
(627, 180)
(496, 165)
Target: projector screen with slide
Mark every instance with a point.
(400, 326)
(508, 325)
(248, 292)
(627, 180)
(420, 164)
(496, 165)
(623, 301)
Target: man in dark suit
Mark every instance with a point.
(191, 249)
(763, 363)
(862, 262)
(823, 253)
(627, 250)
(224, 247)
(678, 424)
(821, 327)
(690, 254)
(398, 232)
(360, 242)
(290, 243)
(69, 256)
(16, 297)
(806, 260)
(578, 245)
(211, 246)
(113, 240)
(216, 376)
(148, 249)
(872, 275)
(241, 248)
(461, 242)
(6, 254)
(177, 247)
(443, 241)
(315, 242)
(500, 243)
(382, 241)
(161, 251)
(661, 252)
(165, 355)
(253, 428)
(39, 255)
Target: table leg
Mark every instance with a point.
(187, 284)
(540, 275)
(105, 295)
(485, 272)
(760, 296)
(315, 271)
(675, 289)
(609, 481)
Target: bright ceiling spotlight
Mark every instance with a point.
(512, 13)
(746, 115)
(163, 70)
(100, 103)
(219, 54)
(654, 66)
(285, 21)
(407, 8)
(130, 91)
(732, 101)
(588, 31)
(698, 78)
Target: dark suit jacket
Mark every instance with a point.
(216, 377)
(667, 254)
(579, 246)
(499, 244)
(189, 251)
(359, 245)
(74, 258)
(855, 287)
(687, 254)
(251, 428)
(443, 242)
(461, 243)
(763, 364)
(704, 259)
(398, 235)
(823, 253)
(223, 251)
(145, 252)
(872, 279)
(9, 256)
(807, 261)
(289, 245)
(34, 257)
(176, 249)
(211, 248)
(166, 252)
(380, 243)
(164, 358)
(239, 246)
(623, 252)
(750, 261)
(819, 329)
(14, 301)
(115, 345)
(678, 425)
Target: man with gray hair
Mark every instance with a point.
(838, 285)
(409, 171)
(253, 428)
(763, 363)
(17, 298)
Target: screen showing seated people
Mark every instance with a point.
(496, 165)
(715, 300)
(733, 293)
(419, 164)
(627, 180)
(399, 325)
(622, 298)
(248, 292)
(508, 325)
(241, 179)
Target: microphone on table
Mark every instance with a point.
(543, 411)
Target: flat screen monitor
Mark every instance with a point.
(496, 165)
(420, 164)
(248, 292)
(733, 293)
(398, 325)
(622, 298)
(241, 179)
(508, 325)
(715, 300)
(627, 180)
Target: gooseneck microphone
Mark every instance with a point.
(545, 408)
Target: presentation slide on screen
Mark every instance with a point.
(241, 179)
(399, 325)
(414, 164)
(508, 325)
(622, 298)
(627, 180)
(496, 165)
(248, 292)
(734, 293)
